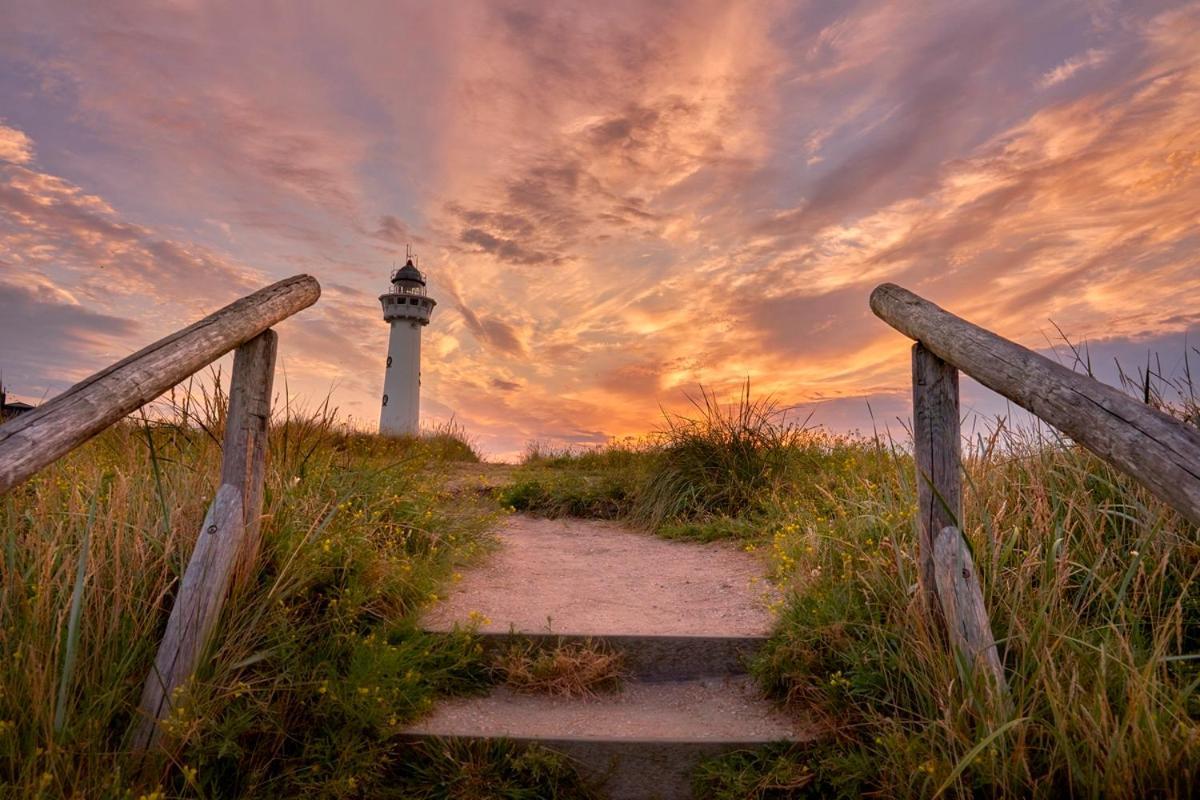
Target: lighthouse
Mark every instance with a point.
(406, 307)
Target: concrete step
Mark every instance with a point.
(641, 743)
(654, 658)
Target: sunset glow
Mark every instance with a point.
(613, 202)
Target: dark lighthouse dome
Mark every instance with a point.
(409, 273)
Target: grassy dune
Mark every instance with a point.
(1090, 581)
(1091, 584)
(317, 662)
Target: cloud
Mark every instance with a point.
(1067, 69)
(495, 333)
(503, 385)
(614, 202)
(393, 229)
(47, 222)
(15, 146)
(505, 249)
(52, 340)
(935, 172)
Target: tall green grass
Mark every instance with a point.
(1091, 586)
(316, 664)
(727, 460)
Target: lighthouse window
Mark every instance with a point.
(385, 399)
(389, 361)
(412, 301)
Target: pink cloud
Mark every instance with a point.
(15, 146)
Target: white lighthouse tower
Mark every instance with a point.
(406, 308)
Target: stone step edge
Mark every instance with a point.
(651, 657)
(554, 742)
(630, 768)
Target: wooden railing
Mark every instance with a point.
(1157, 450)
(229, 538)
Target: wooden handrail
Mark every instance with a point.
(36, 439)
(1160, 452)
(228, 542)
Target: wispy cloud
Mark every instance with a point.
(48, 223)
(1067, 69)
(50, 338)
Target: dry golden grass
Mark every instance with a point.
(565, 669)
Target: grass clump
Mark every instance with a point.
(777, 772)
(728, 461)
(598, 484)
(449, 442)
(317, 662)
(459, 769)
(563, 669)
(721, 474)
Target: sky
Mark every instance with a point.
(614, 202)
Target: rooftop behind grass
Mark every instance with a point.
(315, 665)
(1090, 581)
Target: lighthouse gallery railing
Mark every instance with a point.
(228, 542)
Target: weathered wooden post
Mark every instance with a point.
(228, 541)
(961, 598)
(936, 445)
(1157, 450)
(244, 452)
(949, 583)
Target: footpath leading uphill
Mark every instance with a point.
(686, 617)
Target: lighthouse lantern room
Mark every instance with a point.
(407, 308)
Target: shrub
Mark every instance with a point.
(778, 772)
(461, 769)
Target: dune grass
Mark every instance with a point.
(726, 461)
(723, 473)
(597, 484)
(1090, 581)
(316, 664)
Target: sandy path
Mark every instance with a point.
(589, 577)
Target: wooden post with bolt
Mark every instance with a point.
(228, 541)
